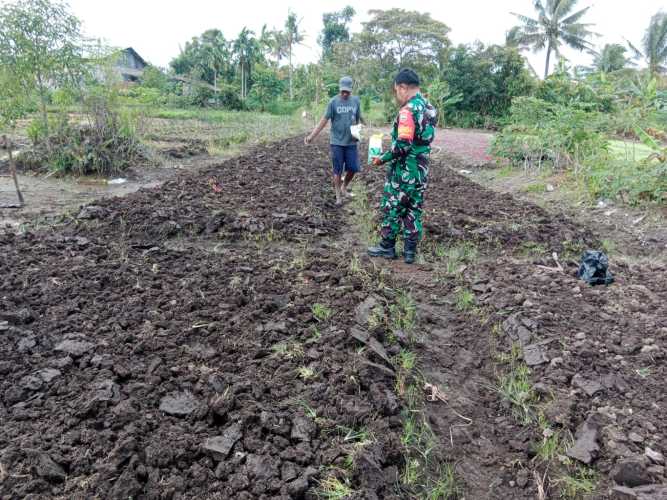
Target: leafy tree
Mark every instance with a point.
(611, 58)
(654, 45)
(215, 54)
(293, 36)
(41, 41)
(556, 24)
(266, 87)
(406, 38)
(335, 30)
(206, 57)
(14, 102)
(486, 79)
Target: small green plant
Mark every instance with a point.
(305, 373)
(643, 372)
(332, 488)
(580, 482)
(403, 312)
(515, 388)
(412, 472)
(445, 487)
(308, 410)
(321, 312)
(290, 350)
(465, 299)
(315, 333)
(532, 249)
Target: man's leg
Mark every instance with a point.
(390, 226)
(351, 167)
(338, 162)
(412, 222)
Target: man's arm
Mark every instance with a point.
(328, 115)
(402, 146)
(316, 131)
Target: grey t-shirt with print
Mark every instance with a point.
(343, 113)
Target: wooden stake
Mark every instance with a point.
(12, 169)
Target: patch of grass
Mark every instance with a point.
(515, 388)
(578, 483)
(315, 333)
(465, 299)
(445, 487)
(332, 488)
(289, 350)
(321, 312)
(308, 410)
(573, 249)
(506, 171)
(305, 373)
(364, 215)
(536, 188)
(376, 318)
(456, 256)
(403, 313)
(532, 249)
(608, 246)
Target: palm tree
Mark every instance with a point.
(654, 45)
(611, 58)
(246, 49)
(273, 43)
(292, 37)
(556, 24)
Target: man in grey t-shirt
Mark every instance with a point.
(344, 110)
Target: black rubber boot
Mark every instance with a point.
(409, 251)
(386, 249)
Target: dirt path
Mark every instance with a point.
(201, 340)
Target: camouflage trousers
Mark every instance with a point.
(403, 198)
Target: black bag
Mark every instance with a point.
(594, 268)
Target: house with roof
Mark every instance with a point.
(129, 65)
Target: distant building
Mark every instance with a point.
(130, 65)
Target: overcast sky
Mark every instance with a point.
(157, 28)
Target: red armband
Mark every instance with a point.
(406, 125)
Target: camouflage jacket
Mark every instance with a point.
(413, 130)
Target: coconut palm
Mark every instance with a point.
(654, 45)
(556, 24)
(292, 37)
(273, 44)
(611, 58)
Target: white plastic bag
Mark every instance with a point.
(355, 130)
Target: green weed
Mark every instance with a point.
(515, 388)
(289, 350)
(305, 373)
(333, 488)
(321, 312)
(465, 299)
(580, 482)
(445, 487)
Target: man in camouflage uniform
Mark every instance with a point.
(407, 174)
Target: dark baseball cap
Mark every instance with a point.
(406, 76)
(345, 84)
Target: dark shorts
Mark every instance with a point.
(344, 158)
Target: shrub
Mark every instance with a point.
(105, 144)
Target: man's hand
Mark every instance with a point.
(308, 139)
(376, 161)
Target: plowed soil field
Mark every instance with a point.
(224, 336)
